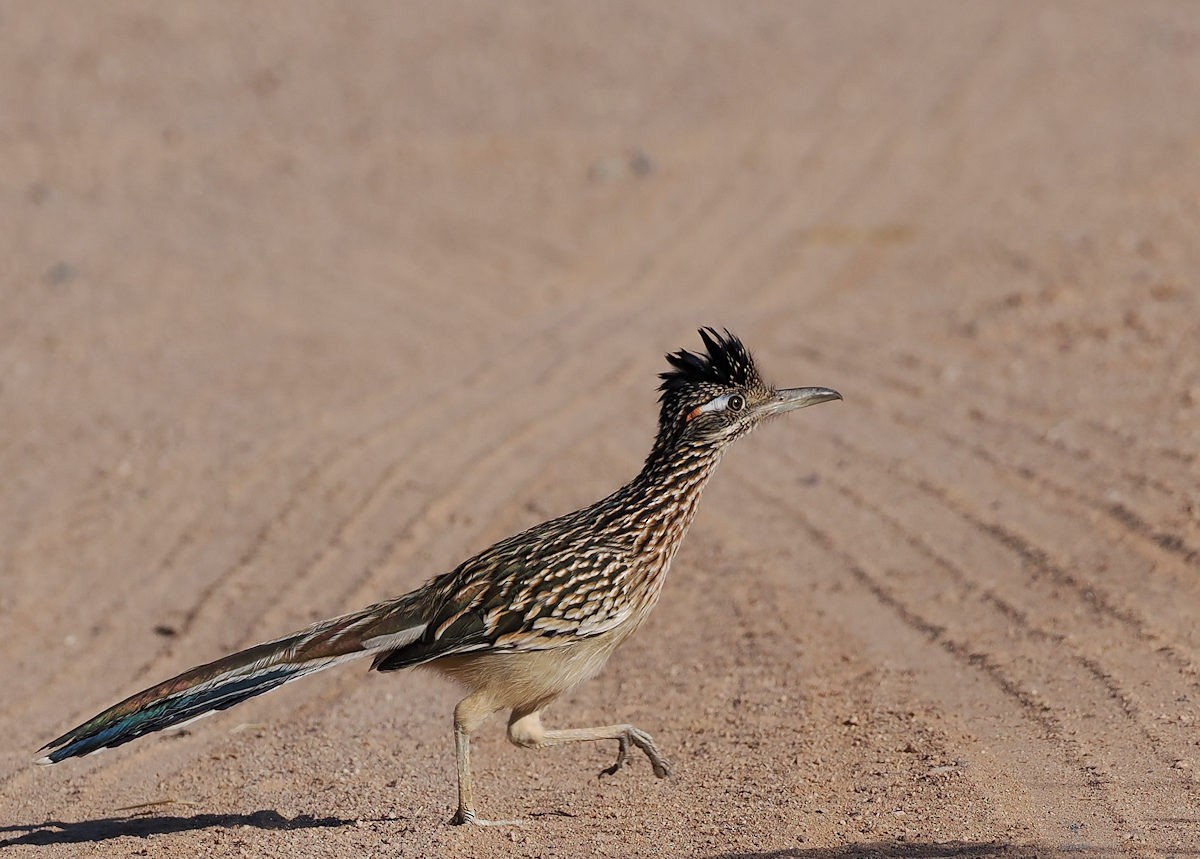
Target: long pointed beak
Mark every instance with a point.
(789, 399)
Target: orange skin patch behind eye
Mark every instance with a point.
(688, 418)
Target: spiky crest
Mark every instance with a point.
(727, 364)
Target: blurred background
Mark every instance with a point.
(304, 302)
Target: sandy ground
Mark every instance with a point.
(303, 304)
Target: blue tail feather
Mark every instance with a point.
(235, 678)
(174, 711)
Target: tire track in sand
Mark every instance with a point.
(1045, 755)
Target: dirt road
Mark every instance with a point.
(304, 304)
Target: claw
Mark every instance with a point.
(622, 758)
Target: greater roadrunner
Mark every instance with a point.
(525, 620)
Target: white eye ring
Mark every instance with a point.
(717, 405)
(734, 402)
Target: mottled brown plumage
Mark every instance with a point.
(526, 619)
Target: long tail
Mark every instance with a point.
(242, 675)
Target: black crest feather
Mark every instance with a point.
(727, 364)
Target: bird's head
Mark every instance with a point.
(715, 398)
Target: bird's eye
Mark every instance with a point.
(733, 402)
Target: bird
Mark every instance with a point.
(526, 619)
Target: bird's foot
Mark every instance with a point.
(643, 741)
(467, 816)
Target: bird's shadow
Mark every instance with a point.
(143, 826)
(906, 850)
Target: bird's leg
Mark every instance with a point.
(468, 716)
(525, 729)
(462, 754)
